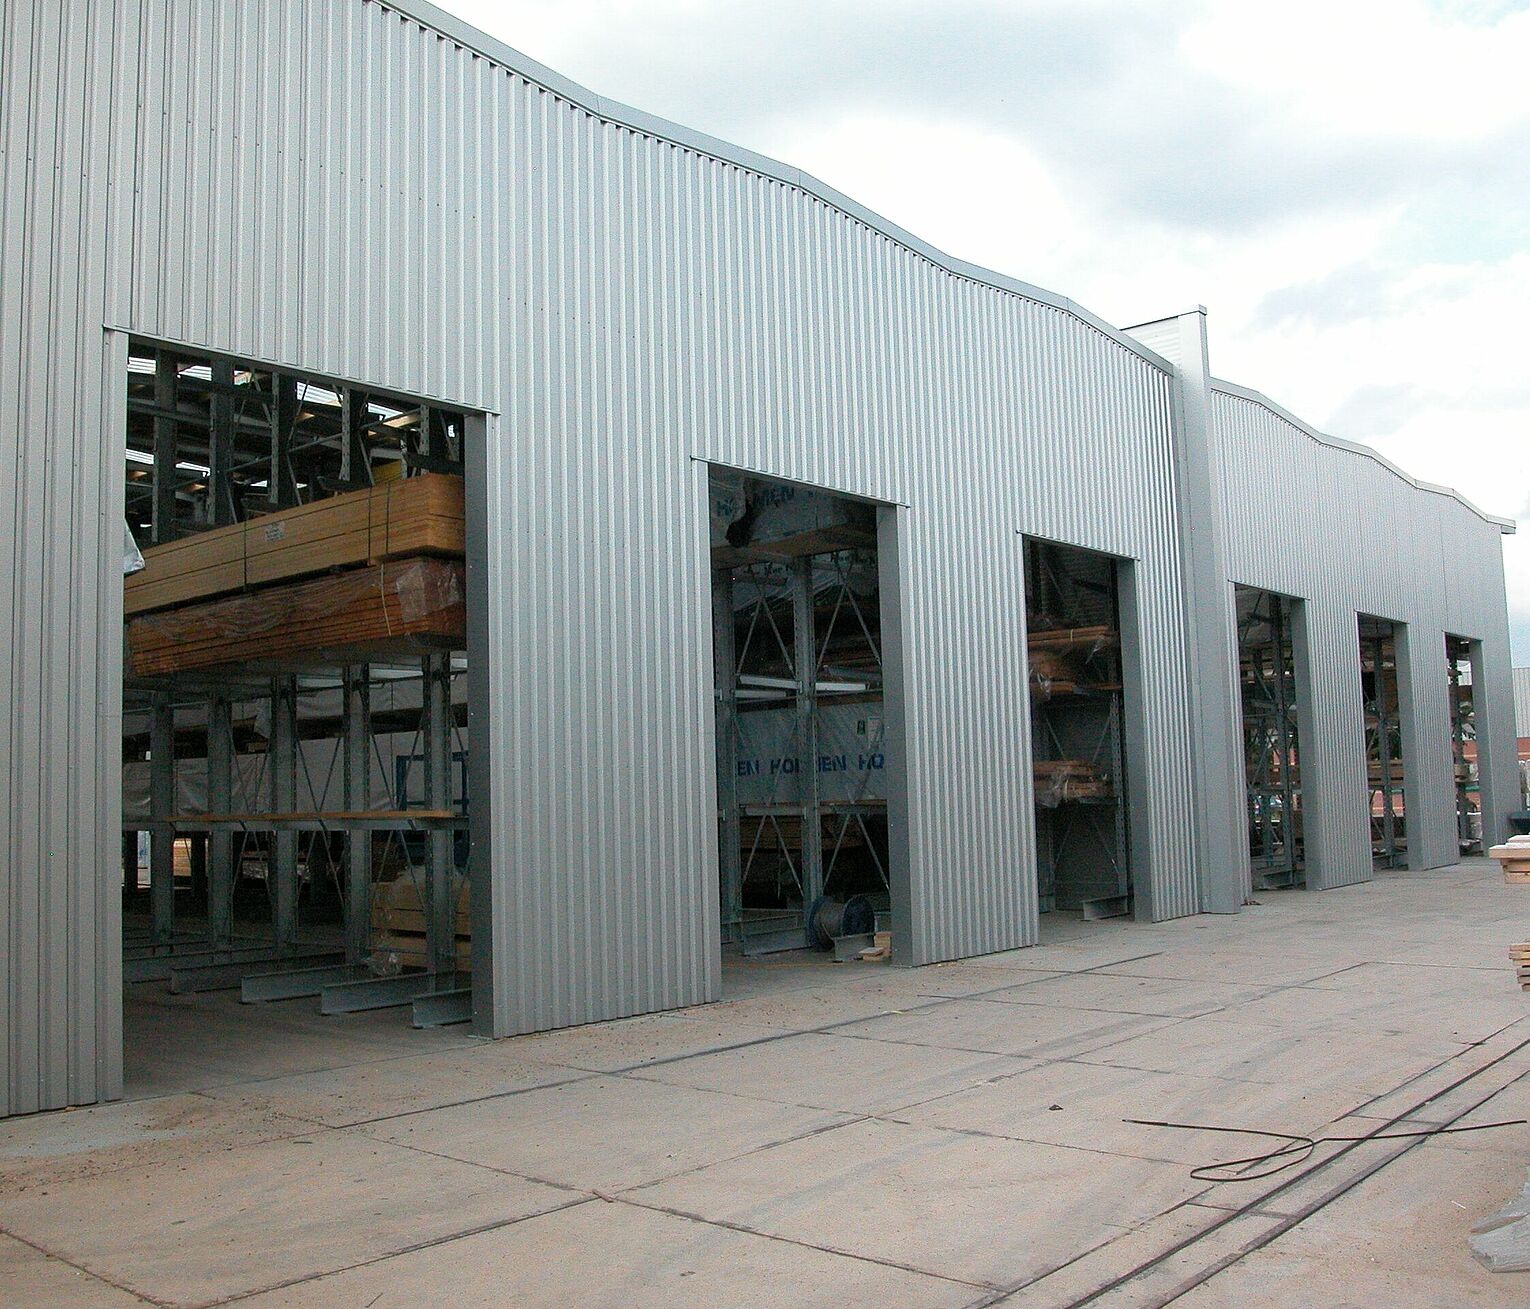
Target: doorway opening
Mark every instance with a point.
(1386, 779)
(801, 727)
(1459, 656)
(1078, 741)
(1271, 741)
(295, 698)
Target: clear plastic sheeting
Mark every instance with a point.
(851, 759)
(132, 556)
(410, 604)
(1501, 1242)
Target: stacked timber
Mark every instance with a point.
(1514, 858)
(389, 608)
(399, 926)
(410, 517)
(1058, 657)
(367, 574)
(1519, 956)
(1058, 781)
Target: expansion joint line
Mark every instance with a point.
(1192, 1281)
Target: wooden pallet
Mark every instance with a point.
(414, 516)
(392, 608)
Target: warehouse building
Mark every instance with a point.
(575, 548)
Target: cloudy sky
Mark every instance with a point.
(1345, 184)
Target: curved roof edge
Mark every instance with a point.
(1505, 525)
(491, 48)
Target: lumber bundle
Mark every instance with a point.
(879, 950)
(1074, 640)
(412, 516)
(391, 608)
(1058, 781)
(399, 930)
(1514, 858)
(1057, 657)
(1519, 956)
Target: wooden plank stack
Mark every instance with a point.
(879, 950)
(398, 926)
(1519, 956)
(412, 516)
(1057, 656)
(1059, 780)
(388, 608)
(1514, 858)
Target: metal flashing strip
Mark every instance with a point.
(470, 38)
(1506, 525)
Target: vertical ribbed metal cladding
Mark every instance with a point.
(1336, 527)
(60, 569)
(334, 186)
(1522, 701)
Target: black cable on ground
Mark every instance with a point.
(1297, 1149)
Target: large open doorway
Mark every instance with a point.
(295, 700)
(1386, 778)
(802, 723)
(1271, 741)
(1078, 739)
(1460, 655)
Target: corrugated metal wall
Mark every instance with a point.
(1522, 701)
(629, 306)
(1387, 547)
(338, 188)
(60, 563)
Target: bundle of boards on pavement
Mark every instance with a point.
(1514, 858)
(341, 580)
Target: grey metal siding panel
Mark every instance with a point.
(334, 187)
(1349, 535)
(59, 560)
(634, 305)
(1522, 701)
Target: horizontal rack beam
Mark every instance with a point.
(412, 820)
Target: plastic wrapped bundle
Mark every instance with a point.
(411, 605)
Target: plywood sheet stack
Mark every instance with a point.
(395, 520)
(398, 926)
